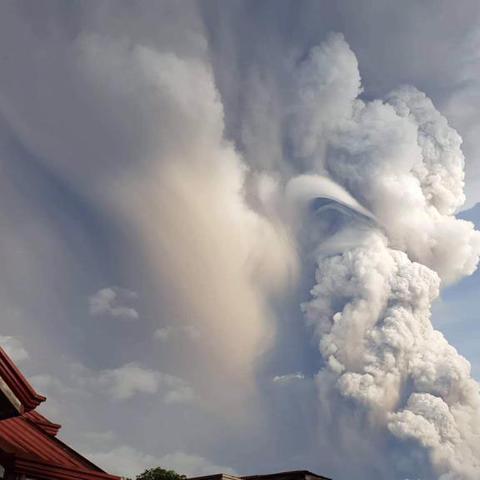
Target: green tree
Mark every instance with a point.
(159, 473)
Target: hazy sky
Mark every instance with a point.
(164, 280)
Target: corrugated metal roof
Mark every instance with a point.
(28, 443)
(36, 452)
(44, 471)
(21, 437)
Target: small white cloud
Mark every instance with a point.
(14, 348)
(165, 333)
(178, 391)
(58, 393)
(124, 382)
(289, 377)
(99, 438)
(128, 461)
(114, 302)
(120, 383)
(53, 386)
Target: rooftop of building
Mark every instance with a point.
(28, 441)
(289, 475)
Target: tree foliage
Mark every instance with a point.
(159, 473)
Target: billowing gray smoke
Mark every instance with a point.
(371, 305)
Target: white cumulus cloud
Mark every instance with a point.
(113, 302)
(14, 348)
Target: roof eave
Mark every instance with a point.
(16, 388)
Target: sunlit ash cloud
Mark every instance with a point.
(371, 306)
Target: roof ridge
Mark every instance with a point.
(288, 472)
(16, 387)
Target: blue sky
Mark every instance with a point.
(164, 280)
(456, 312)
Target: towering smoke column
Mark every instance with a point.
(371, 305)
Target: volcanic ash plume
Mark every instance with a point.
(371, 305)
